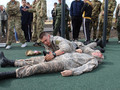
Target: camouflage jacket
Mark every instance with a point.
(111, 6)
(96, 8)
(118, 11)
(59, 43)
(40, 8)
(58, 11)
(13, 9)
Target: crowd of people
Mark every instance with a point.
(18, 19)
(90, 15)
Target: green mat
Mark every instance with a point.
(105, 77)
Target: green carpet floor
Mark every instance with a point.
(105, 77)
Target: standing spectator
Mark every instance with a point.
(58, 19)
(34, 26)
(54, 14)
(40, 9)
(25, 20)
(87, 11)
(111, 8)
(14, 15)
(30, 21)
(118, 21)
(76, 15)
(95, 14)
(4, 21)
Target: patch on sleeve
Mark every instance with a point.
(57, 42)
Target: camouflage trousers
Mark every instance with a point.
(76, 62)
(34, 27)
(14, 23)
(94, 25)
(38, 28)
(58, 26)
(109, 25)
(118, 28)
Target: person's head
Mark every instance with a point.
(28, 4)
(24, 2)
(59, 1)
(1, 7)
(45, 38)
(12, 0)
(55, 4)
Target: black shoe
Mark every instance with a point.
(86, 42)
(102, 50)
(4, 61)
(6, 75)
(37, 44)
(1, 55)
(107, 41)
(99, 43)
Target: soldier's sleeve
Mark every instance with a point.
(117, 10)
(63, 45)
(96, 8)
(112, 8)
(32, 10)
(17, 7)
(43, 9)
(87, 50)
(102, 6)
(89, 66)
(7, 8)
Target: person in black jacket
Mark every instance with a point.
(30, 21)
(3, 20)
(54, 14)
(76, 16)
(87, 11)
(25, 19)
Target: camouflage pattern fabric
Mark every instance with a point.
(14, 21)
(78, 63)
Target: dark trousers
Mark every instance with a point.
(86, 23)
(29, 31)
(4, 24)
(26, 33)
(76, 23)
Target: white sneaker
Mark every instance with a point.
(118, 42)
(24, 45)
(8, 47)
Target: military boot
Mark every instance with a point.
(99, 43)
(6, 75)
(4, 61)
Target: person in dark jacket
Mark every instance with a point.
(25, 19)
(76, 15)
(3, 20)
(87, 12)
(30, 21)
(54, 14)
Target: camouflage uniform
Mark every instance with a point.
(14, 20)
(95, 14)
(111, 8)
(76, 62)
(118, 20)
(59, 43)
(34, 33)
(58, 20)
(41, 14)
